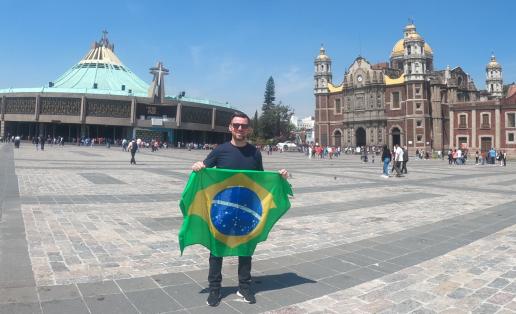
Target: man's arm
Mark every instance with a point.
(198, 166)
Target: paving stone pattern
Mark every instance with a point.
(82, 231)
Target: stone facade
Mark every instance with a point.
(404, 101)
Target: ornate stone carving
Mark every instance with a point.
(222, 118)
(196, 115)
(108, 108)
(60, 106)
(360, 102)
(20, 105)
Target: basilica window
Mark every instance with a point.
(419, 123)
(511, 120)
(419, 138)
(463, 121)
(485, 121)
(462, 140)
(418, 106)
(395, 100)
(338, 108)
(510, 137)
(418, 89)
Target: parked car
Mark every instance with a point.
(287, 146)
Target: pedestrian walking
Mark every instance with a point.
(386, 158)
(133, 148)
(405, 160)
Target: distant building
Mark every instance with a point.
(100, 97)
(485, 124)
(304, 129)
(405, 101)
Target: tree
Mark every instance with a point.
(255, 122)
(284, 127)
(269, 96)
(274, 121)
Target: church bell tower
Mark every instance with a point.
(494, 81)
(322, 74)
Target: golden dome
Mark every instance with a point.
(322, 55)
(398, 49)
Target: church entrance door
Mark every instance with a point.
(360, 135)
(485, 144)
(396, 136)
(338, 138)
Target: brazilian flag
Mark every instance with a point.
(230, 211)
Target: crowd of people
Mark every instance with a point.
(399, 158)
(314, 151)
(491, 157)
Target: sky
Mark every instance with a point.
(225, 50)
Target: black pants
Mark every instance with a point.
(244, 272)
(132, 158)
(404, 167)
(397, 166)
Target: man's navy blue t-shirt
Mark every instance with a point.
(228, 156)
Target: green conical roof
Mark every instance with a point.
(101, 72)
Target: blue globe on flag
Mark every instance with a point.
(236, 211)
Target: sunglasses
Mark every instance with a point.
(239, 125)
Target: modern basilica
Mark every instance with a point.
(100, 97)
(405, 101)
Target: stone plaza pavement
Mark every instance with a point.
(82, 231)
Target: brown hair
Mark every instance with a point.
(239, 115)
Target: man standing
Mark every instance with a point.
(42, 142)
(386, 158)
(492, 155)
(133, 147)
(398, 159)
(405, 159)
(240, 155)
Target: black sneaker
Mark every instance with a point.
(214, 297)
(247, 295)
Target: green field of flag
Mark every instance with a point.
(231, 211)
